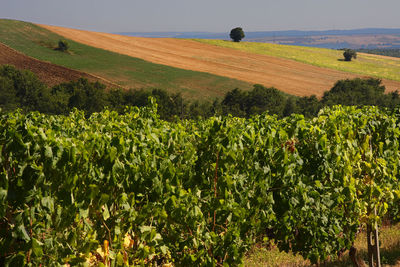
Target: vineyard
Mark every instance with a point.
(131, 189)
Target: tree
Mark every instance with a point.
(63, 45)
(308, 106)
(349, 54)
(262, 99)
(355, 92)
(22, 88)
(290, 107)
(237, 34)
(234, 103)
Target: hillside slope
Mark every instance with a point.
(365, 64)
(287, 75)
(126, 71)
(48, 73)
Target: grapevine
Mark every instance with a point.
(132, 189)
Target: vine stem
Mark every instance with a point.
(376, 241)
(216, 176)
(30, 235)
(215, 187)
(109, 232)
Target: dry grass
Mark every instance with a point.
(262, 256)
(365, 64)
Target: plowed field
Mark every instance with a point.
(287, 75)
(48, 73)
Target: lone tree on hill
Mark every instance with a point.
(349, 54)
(62, 46)
(237, 34)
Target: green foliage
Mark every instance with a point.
(82, 95)
(308, 106)
(22, 89)
(169, 105)
(349, 54)
(8, 99)
(344, 92)
(261, 99)
(234, 103)
(360, 92)
(237, 34)
(256, 101)
(390, 52)
(63, 46)
(134, 189)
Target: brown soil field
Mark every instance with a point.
(48, 73)
(286, 75)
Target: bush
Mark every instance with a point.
(349, 54)
(63, 46)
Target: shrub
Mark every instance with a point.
(63, 46)
(349, 54)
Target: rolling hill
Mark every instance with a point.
(284, 73)
(125, 71)
(199, 69)
(366, 64)
(48, 73)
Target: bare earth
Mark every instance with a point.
(286, 75)
(48, 73)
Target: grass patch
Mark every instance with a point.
(369, 65)
(261, 256)
(126, 71)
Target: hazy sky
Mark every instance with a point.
(206, 15)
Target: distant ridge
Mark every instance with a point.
(369, 38)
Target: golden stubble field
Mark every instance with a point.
(290, 76)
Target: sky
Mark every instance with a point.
(205, 15)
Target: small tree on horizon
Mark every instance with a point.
(237, 34)
(349, 54)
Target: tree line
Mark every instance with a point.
(22, 89)
(390, 52)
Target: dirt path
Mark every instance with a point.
(48, 73)
(286, 75)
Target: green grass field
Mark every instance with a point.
(126, 71)
(369, 65)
